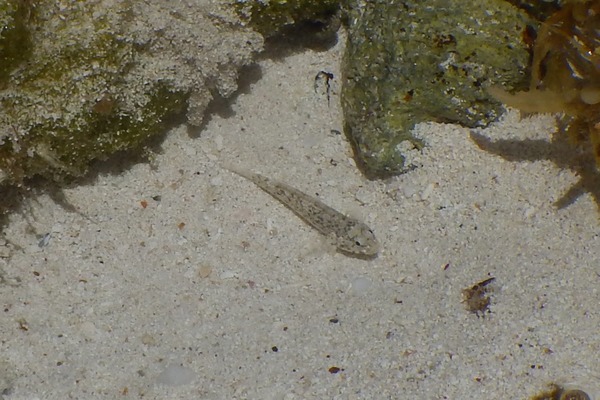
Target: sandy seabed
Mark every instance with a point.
(178, 279)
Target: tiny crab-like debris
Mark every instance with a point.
(476, 297)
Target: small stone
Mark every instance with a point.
(204, 271)
(361, 285)
(176, 375)
(227, 275)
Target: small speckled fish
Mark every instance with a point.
(351, 237)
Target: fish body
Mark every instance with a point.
(350, 236)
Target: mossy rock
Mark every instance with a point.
(15, 40)
(272, 17)
(94, 78)
(412, 62)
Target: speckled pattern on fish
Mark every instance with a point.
(350, 236)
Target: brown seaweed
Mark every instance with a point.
(565, 74)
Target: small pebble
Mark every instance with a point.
(204, 271)
(409, 190)
(89, 331)
(176, 375)
(219, 142)
(45, 239)
(216, 181)
(227, 275)
(361, 285)
(529, 212)
(148, 340)
(364, 195)
(427, 192)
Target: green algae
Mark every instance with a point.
(413, 62)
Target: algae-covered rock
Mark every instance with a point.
(538, 9)
(103, 76)
(413, 61)
(270, 17)
(14, 37)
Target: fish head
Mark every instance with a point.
(361, 241)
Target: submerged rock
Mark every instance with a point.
(95, 77)
(412, 61)
(273, 17)
(15, 43)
